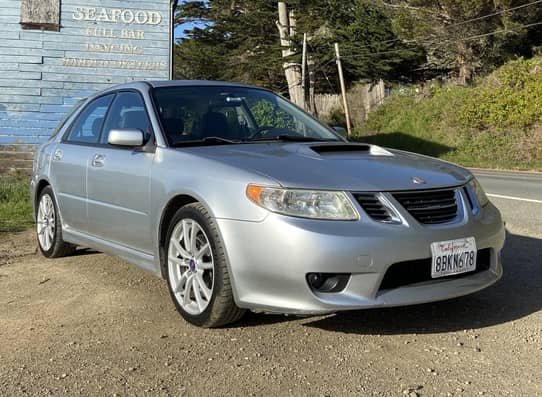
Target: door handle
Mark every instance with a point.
(57, 156)
(98, 160)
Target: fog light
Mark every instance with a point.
(328, 282)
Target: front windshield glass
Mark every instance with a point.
(191, 114)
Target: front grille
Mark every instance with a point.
(411, 272)
(429, 206)
(373, 207)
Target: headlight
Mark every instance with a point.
(317, 204)
(478, 192)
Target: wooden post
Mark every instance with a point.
(303, 72)
(343, 90)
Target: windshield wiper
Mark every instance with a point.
(292, 138)
(207, 141)
(218, 139)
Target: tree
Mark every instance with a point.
(458, 35)
(286, 25)
(370, 48)
(239, 41)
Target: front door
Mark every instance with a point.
(118, 180)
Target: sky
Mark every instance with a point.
(179, 30)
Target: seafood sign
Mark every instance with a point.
(127, 40)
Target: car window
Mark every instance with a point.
(88, 125)
(64, 119)
(127, 112)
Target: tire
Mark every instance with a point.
(207, 300)
(49, 227)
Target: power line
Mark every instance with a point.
(324, 71)
(478, 36)
(453, 25)
(495, 13)
(319, 67)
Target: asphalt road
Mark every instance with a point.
(518, 195)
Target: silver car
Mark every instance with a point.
(240, 200)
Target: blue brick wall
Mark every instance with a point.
(43, 73)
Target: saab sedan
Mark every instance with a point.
(242, 201)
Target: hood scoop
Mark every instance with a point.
(349, 149)
(337, 149)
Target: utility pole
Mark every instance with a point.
(343, 90)
(303, 71)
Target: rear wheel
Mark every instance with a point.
(49, 228)
(197, 273)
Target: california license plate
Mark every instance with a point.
(453, 257)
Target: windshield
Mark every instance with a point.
(233, 115)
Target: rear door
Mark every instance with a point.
(119, 179)
(69, 163)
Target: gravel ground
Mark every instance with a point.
(93, 325)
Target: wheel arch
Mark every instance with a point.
(42, 183)
(172, 206)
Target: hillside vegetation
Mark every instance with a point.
(495, 123)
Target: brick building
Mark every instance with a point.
(54, 52)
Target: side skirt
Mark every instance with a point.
(135, 257)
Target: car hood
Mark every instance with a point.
(338, 166)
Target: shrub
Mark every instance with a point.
(510, 97)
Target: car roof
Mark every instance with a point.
(144, 85)
(198, 83)
(179, 83)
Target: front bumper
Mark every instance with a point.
(269, 260)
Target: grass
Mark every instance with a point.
(431, 124)
(15, 205)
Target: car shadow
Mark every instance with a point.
(400, 140)
(85, 251)
(516, 295)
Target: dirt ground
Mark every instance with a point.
(93, 325)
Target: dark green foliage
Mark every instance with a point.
(453, 44)
(240, 42)
(369, 47)
(397, 40)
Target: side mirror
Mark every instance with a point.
(341, 131)
(125, 137)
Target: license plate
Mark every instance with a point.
(453, 257)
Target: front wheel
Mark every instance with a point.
(197, 273)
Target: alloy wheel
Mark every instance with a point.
(46, 222)
(191, 266)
